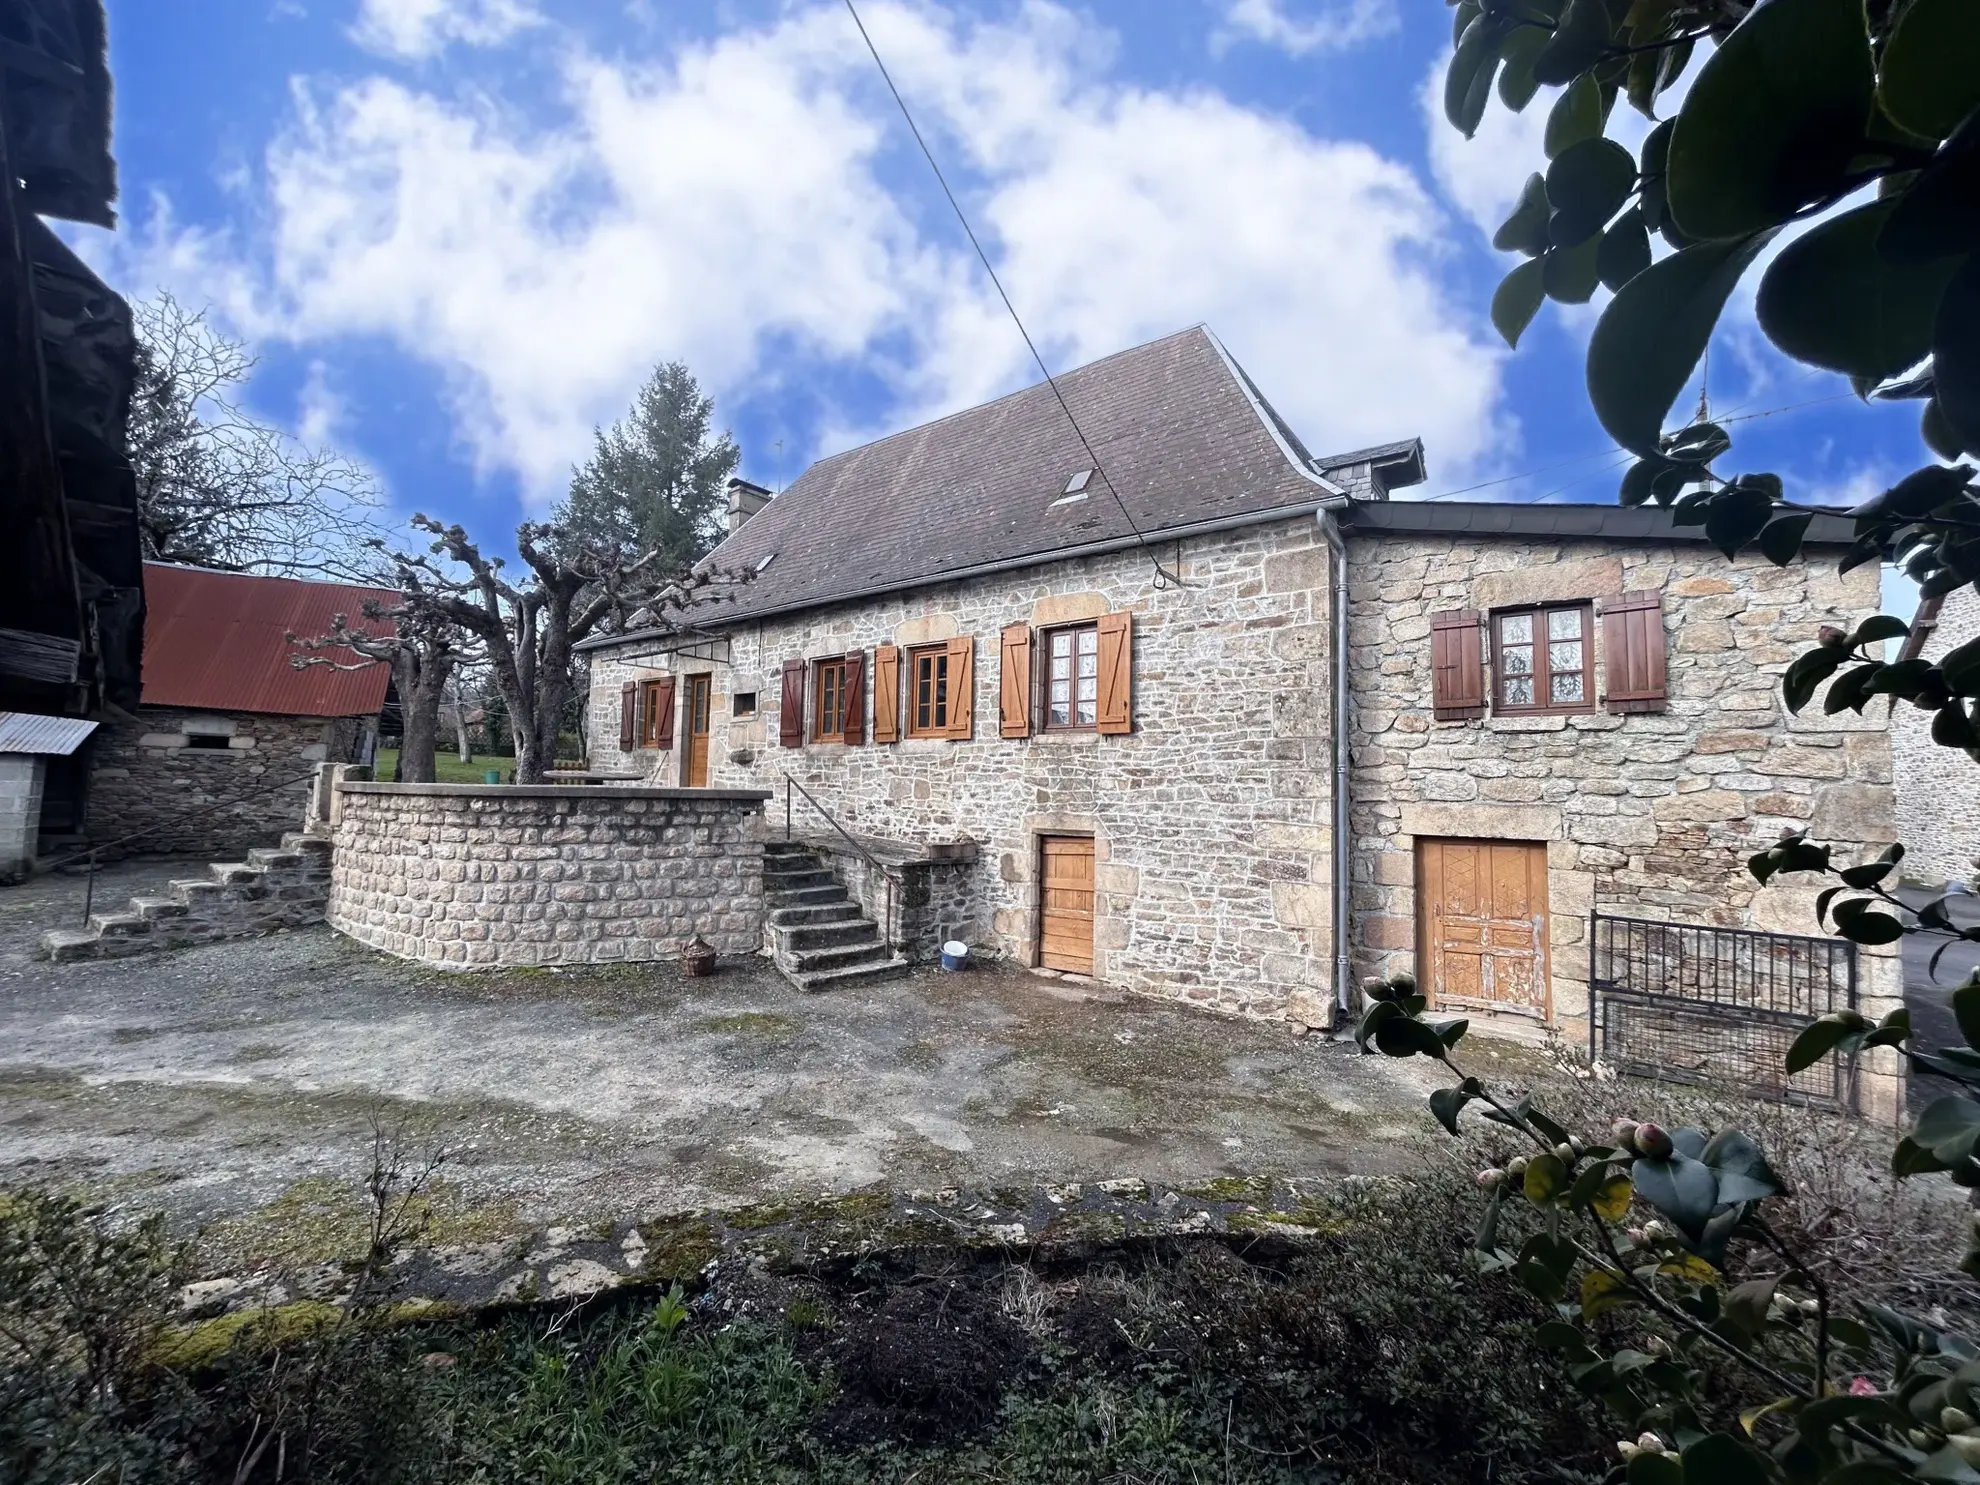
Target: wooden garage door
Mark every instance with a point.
(1482, 908)
(1065, 919)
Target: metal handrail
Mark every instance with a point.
(89, 889)
(871, 860)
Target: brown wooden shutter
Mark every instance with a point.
(962, 687)
(1633, 645)
(886, 694)
(854, 699)
(1116, 690)
(1014, 683)
(1457, 665)
(790, 716)
(628, 705)
(661, 724)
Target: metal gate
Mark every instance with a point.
(1716, 1006)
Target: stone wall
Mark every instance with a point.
(919, 900)
(22, 776)
(1651, 815)
(472, 876)
(1210, 820)
(1938, 788)
(162, 772)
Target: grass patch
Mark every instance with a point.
(447, 766)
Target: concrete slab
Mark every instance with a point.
(214, 1081)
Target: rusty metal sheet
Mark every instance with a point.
(218, 641)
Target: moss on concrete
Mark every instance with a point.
(196, 1347)
(679, 1247)
(1251, 1189)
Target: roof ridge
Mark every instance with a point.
(270, 577)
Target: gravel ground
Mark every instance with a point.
(241, 1078)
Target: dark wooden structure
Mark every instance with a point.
(71, 586)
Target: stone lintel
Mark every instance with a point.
(602, 793)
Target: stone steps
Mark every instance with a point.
(276, 887)
(822, 940)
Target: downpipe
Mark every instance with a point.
(1342, 841)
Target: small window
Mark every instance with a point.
(206, 740)
(1072, 676)
(651, 707)
(829, 718)
(928, 696)
(743, 704)
(1542, 660)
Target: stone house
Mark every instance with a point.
(218, 755)
(1112, 701)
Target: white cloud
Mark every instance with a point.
(748, 205)
(1329, 28)
(417, 29)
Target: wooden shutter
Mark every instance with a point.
(962, 687)
(1633, 645)
(1014, 683)
(1457, 665)
(853, 697)
(628, 704)
(1116, 689)
(790, 716)
(661, 723)
(886, 694)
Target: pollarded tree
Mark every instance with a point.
(528, 630)
(424, 652)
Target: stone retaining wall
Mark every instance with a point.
(1938, 788)
(474, 876)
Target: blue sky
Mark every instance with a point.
(460, 232)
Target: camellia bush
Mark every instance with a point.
(1859, 116)
(1663, 1237)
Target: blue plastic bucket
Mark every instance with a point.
(955, 954)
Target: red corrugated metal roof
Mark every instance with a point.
(218, 641)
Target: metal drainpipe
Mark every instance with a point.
(1343, 855)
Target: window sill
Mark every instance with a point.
(1066, 737)
(1539, 722)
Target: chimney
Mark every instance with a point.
(745, 500)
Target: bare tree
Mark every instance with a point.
(528, 629)
(424, 653)
(217, 487)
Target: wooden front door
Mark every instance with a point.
(1482, 924)
(1065, 903)
(694, 759)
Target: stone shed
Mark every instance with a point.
(218, 756)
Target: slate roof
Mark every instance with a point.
(1178, 428)
(1500, 518)
(218, 641)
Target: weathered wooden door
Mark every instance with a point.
(1065, 913)
(1482, 923)
(694, 764)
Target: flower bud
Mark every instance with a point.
(1955, 1420)
(1564, 1152)
(1516, 1167)
(1651, 1140)
(1491, 1180)
(1628, 1448)
(1654, 1231)
(1811, 1307)
(1656, 1345)
(1403, 982)
(1967, 1446)
(1649, 1443)
(1624, 1133)
(1575, 1144)
(1638, 1237)
(1831, 636)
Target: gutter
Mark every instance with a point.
(1343, 825)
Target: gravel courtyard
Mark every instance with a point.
(223, 1081)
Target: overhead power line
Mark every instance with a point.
(929, 155)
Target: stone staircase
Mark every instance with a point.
(280, 887)
(822, 941)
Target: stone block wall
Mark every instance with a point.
(22, 776)
(162, 772)
(1938, 788)
(1210, 820)
(1650, 815)
(476, 876)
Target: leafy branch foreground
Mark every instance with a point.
(1852, 1391)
